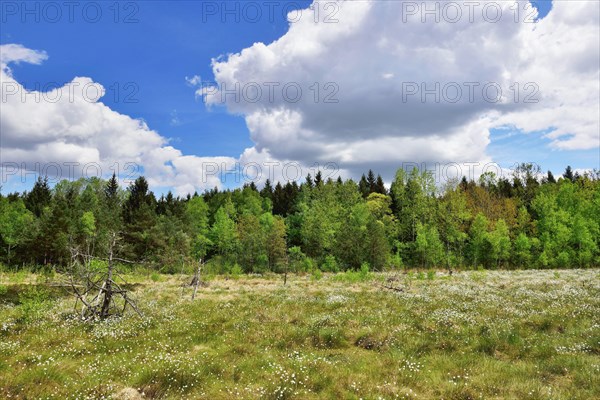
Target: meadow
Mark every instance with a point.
(532, 334)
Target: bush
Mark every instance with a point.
(155, 277)
(316, 274)
(364, 270)
(330, 264)
(33, 302)
(236, 271)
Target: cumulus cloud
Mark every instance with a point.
(408, 88)
(381, 84)
(68, 132)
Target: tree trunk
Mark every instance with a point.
(197, 279)
(104, 311)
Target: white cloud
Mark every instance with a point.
(194, 80)
(70, 125)
(16, 53)
(374, 53)
(368, 61)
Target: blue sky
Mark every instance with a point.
(149, 58)
(170, 41)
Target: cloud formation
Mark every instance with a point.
(379, 84)
(70, 125)
(413, 89)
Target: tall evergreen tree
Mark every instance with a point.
(568, 174)
(318, 178)
(363, 186)
(39, 197)
(139, 216)
(267, 191)
(379, 186)
(309, 181)
(371, 182)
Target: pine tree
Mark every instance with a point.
(371, 182)
(111, 190)
(139, 216)
(363, 186)
(318, 179)
(569, 174)
(380, 186)
(39, 197)
(309, 181)
(267, 191)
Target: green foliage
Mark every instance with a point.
(496, 222)
(15, 220)
(236, 270)
(33, 302)
(330, 264)
(316, 274)
(428, 245)
(223, 233)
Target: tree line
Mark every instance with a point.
(519, 222)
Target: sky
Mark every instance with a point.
(180, 103)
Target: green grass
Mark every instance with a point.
(473, 335)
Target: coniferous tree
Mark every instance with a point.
(568, 174)
(267, 191)
(309, 181)
(39, 197)
(371, 182)
(379, 186)
(139, 217)
(318, 178)
(363, 186)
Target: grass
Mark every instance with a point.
(473, 335)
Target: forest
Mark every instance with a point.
(494, 223)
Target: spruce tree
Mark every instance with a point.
(569, 174)
(39, 197)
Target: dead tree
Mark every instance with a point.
(197, 280)
(100, 294)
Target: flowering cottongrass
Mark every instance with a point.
(473, 335)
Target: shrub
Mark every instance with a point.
(330, 264)
(316, 274)
(33, 302)
(236, 271)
